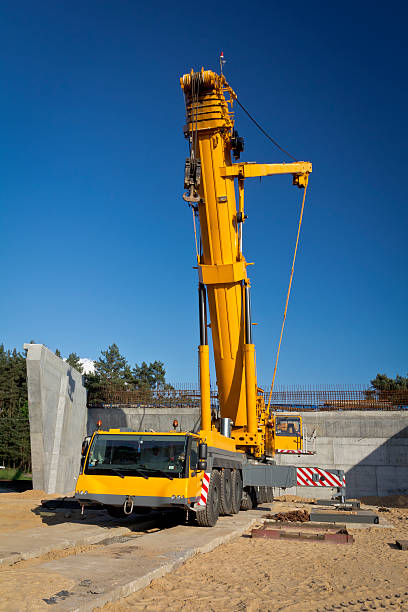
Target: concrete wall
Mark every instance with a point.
(57, 412)
(372, 446)
(143, 419)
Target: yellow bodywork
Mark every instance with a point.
(134, 486)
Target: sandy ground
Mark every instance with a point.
(251, 575)
(16, 510)
(261, 575)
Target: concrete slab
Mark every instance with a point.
(97, 577)
(36, 542)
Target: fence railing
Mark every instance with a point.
(283, 398)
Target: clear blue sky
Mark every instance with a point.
(96, 242)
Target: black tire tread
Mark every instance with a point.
(236, 485)
(208, 516)
(226, 492)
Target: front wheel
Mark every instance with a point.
(208, 516)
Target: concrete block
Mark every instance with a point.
(57, 412)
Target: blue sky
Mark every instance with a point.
(97, 244)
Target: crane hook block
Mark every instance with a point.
(192, 179)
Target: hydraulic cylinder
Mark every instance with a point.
(205, 390)
(249, 352)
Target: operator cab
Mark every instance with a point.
(288, 432)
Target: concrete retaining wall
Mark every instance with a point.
(372, 446)
(143, 419)
(57, 412)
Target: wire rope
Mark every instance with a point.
(288, 294)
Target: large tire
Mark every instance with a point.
(236, 482)
(208, 516)
(269, 495)
(249, 499)
(226, 492)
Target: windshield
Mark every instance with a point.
(288, 426)
(137, 455)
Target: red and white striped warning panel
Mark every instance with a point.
(204, 489)
(315, 477)
(294, 452)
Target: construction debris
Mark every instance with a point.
(293, 516)
(306, 532)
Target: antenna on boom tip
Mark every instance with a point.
(222, 60)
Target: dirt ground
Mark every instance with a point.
(16, 510)
(260, 575)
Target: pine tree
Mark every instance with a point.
(112, 368)
(382, 383)
(74, 361)
(58, 353)
(150, 376)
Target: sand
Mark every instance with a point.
(261, 575)
(19, 511)
(245, 574)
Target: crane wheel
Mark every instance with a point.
(249, 498)
(226, 492)
(236, 485)
(208, 516)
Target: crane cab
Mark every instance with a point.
(288, 432)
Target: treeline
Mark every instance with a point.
(112, 370)
(382, 383)
(14, 425)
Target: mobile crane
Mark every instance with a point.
(228, 465)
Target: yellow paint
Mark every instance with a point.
(205, 390)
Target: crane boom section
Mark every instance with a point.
(222, 268)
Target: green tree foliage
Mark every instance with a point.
(112, 368)
(14, 424)
(58, 353)
(13, 382)
(382, 383)
(150, 376)
(74, 361)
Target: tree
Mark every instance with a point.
(74, 361)
(382, 383)
(150, 376)
(112, 368)
(58, 353)
(14, 425)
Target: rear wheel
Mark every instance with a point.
(208, 516)
(249, 499)
(236, 485)
(226, 492)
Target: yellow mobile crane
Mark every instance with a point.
(229, 463)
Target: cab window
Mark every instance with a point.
(288, 426)
(194, 454)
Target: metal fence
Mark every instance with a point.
(296, 398)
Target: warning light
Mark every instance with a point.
(99, 424)
(175, 424)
